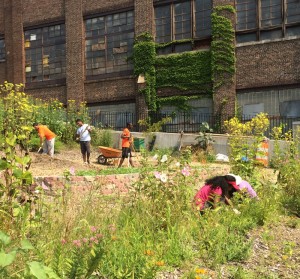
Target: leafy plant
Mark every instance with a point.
(204, 139)
(59, 119)
(8, 261)
(244, 140)
(15, 162)
(101, 137)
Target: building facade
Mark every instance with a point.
(82, 50)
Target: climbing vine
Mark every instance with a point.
(144, 54)
(222, 46)
(197, 72)
(180, 102)
(188, 71)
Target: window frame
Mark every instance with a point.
(108, 34)
(42, 47)
(193, 30)
(2, 50)
(259, 30)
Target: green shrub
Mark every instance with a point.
(286, 162)
(102, 137)
(289, 179)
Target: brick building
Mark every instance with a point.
(79, 49)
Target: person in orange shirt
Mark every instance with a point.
(47, 138)
(126, 145)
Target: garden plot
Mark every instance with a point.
(43, 165)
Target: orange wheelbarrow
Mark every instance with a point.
(107, 153)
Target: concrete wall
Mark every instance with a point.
(172, 140)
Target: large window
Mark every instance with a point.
(2, 50)
(109, 43)
(45, 53)
(267, 19)
(183, 20)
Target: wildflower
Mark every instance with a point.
(112, 228)
(96, 241)
(236, 211)
(72, 171)
(155, 157)
(77, 243)
(284, 257)
(113, 237)
(92, 239)
(85, 240)
(63, 241)
(157, 174)
(177, 164)
(186, 171)
(164, 158)
(163, 178)
(93, 229)
(149, 253)
(160, 263)
(197, 277)
(99, 235)
(36, 191)
(200, 271)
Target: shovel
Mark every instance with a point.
(40, 150)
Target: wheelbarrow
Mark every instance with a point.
(107, 153)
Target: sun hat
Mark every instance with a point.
(237, 178)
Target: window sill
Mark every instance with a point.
(268, 41)
(110, 76)
(43, 84)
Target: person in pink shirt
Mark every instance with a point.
(243, 185)
(216, 189)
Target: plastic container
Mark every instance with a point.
(138, 143)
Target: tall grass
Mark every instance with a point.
(154, 228)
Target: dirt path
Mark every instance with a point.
(43, 165)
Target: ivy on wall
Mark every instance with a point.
(144, 54)
(222, 46)
(180, 102)
(200, 72)
(188, 71)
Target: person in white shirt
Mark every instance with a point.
(83, 133)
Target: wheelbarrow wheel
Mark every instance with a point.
(102, 160)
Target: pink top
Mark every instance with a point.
(245, 185)
(205, 194)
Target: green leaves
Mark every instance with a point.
(4, 164)
(4, 238)
(34, 268)
(11, 140)
(222, 46)
(185, 71)
(26, 245)
(37, 270)
(7, 259)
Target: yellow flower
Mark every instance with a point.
(113, 237)
(149, 253)
(284, 257)
(160, 263)
(200, 271)
(197, 277)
